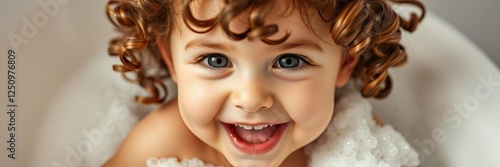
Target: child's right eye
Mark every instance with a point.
(216, 60)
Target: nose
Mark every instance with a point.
(251, 96)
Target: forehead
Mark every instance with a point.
(288, 15)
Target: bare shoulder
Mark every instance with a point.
(162, 133)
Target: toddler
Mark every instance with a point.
(256, 79)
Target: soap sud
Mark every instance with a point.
(354, 139)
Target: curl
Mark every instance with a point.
(129, 18)
(154, 87)
(372, 29)
(231, 12)
(411, 25)
(258, 28)
(121, 15)
(189, 19)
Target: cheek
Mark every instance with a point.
(311, 106)
(197, 104)
(199, 100)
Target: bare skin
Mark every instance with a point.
(162, 133)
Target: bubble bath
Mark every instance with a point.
(354, 139)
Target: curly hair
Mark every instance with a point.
(370, 29)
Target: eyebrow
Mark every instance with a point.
(205, 44)
(301, 43)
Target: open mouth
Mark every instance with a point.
(256, 139)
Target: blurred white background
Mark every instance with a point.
(56, 45)
(479, 20)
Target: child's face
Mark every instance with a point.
(223, 83)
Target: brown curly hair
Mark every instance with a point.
(370, 29)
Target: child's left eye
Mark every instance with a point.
(289, 60)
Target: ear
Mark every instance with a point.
(348, 65)
(167, 56)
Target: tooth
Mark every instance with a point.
(265, 126)
(246, 127)
(259, 127)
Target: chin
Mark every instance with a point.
(238, 162)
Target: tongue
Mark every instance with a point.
(255, 136)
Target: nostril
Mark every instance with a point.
(251, 97)
(255, 105)
(248, 109)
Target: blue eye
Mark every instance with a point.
(288, 61)
(216, 60)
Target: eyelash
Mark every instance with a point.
(199, 62)
(308, 63)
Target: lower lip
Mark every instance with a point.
(258, 148)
